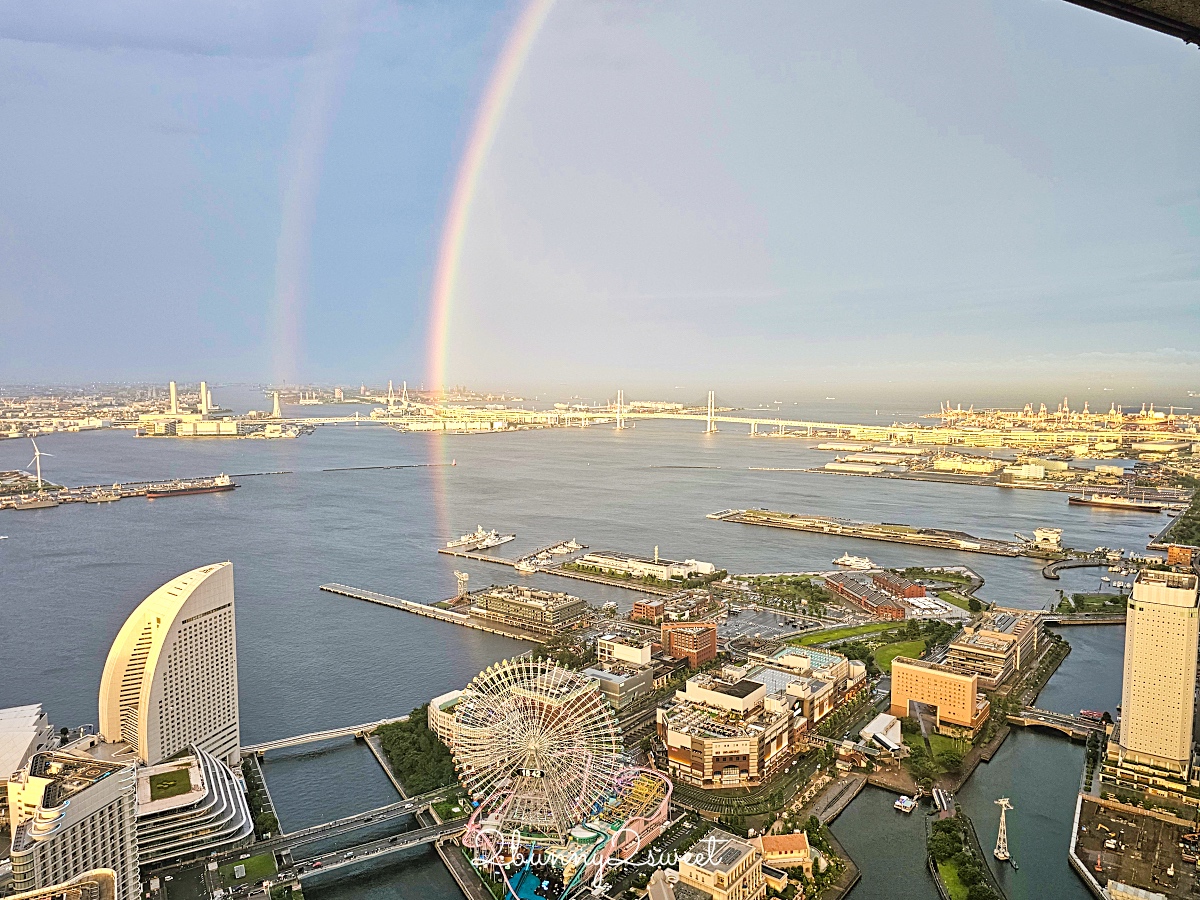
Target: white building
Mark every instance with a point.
(171, 676)
(612, 563)
(619, 648)
(70, 815)
(1159, 686)
(188, 808)
(24, 731)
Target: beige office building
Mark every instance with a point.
(1159, 686)
(171, 676)
(71, 815)
(960, 707)
(724, 867)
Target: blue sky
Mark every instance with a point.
(950, 194)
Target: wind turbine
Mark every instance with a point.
(37, 461)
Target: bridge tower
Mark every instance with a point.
(1001, 851)
(275, 411)
(620, 410)
(711, 427)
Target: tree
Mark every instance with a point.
(910, 725)
(974, 605)
(980, 891)
(951, 759)
(944, 845)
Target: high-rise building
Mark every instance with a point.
(171, 676)
(1159, 687)
(70, 815)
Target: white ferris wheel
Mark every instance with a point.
(537, 746)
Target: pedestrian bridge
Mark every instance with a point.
(376, 849)
(313, 736)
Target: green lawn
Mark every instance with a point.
(838, 634)
(885, 654)
(1103, 601)
(453, 808)
(954, 599)
(949, 872)
(170, 784)
(258, 868)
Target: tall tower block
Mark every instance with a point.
(174, 400)
(275, 413)
(1159, 685)
(204, 398)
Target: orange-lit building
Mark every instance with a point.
(694, 641)
(958, 705)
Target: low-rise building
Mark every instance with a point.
(1001, 642)
(514, 604)
(861, 594)
(617, 648)
(24, 731)
(621, 683)
(188, 808)
(724, 867)
(611, 562)
(98, 884)
(785, 851)
(951, 695)
(440, 716)
(694, 641)
(724, 731)
(650, 611)
(897, 585)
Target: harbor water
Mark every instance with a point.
(310, 660)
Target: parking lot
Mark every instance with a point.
(766, 625)
(1134, 849)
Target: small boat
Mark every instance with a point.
(524, 567)
(854, 562)
(905, 804)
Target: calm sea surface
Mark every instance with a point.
(311, 660)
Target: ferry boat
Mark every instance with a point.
(905, 804)
(1112, 501)
(525, 567)
(853, 562)
(215, 485)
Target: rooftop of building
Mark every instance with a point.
(68, 774)
(785, 843)
(617, 674)
(686, 717)
(741, 688)
(169, 785)
(817, 659)
(634, 558)
(1177, 580)
(628, 639)
(718, 851)
(907, 661)
(20, 716)
(531, 596)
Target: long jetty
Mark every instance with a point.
(891, 533)
(432, 612)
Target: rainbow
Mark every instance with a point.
(483, 133)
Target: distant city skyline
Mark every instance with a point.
(957, 200)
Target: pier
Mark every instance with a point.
(432, 612)
(110, 493)
(889, 532)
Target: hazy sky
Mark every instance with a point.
(947, 193)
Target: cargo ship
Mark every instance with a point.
(182, 488)
(1112, 501)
